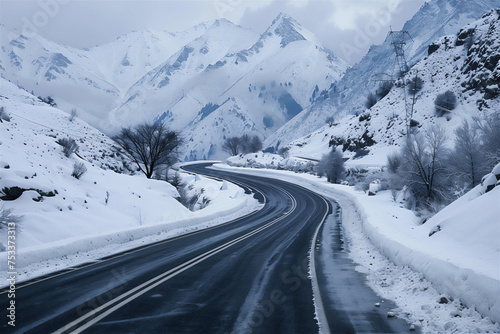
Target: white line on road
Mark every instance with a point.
(318, 301)
(104, 310)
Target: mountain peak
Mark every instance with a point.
(287, 28)
(282, 16)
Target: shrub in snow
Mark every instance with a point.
(332, 166)
(175, 180)
(394, 162)
(189, 197)
(284, 152)
(330, 120)
(445, 103)
(244, 144)
(383, 89)
(4, 116)
(78, 170)
(69, 146)
(49, 100)
(251, 144)
(72, 115)
(371, 100)
(7, 217)
(415, 85)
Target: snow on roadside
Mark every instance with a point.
(428, 278)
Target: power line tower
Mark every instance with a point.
(399, 69)
(398, 41)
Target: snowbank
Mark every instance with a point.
(271, 161)
(461, 261)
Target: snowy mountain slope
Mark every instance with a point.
(434, 19)
(58, 209)
(255, 87)
(174, 79)
(471, 72)
(125, 60)
(90, 80)
(50, 69)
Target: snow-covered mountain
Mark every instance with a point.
(214, 80)
(231, 81)
(435, 18)
(50, 69)
(127, 59)
(466, 63)
(90, 80)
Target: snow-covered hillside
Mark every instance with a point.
(469, 70)
(435, 18)
(60, 213)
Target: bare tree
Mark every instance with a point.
(490, 138)
(424, 165)
(332, 166)
(466, 159)
(255, 144)
(232, 145)
(245, 143)
(150, 146)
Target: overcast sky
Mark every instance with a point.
(347, 27)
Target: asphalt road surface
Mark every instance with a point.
(250, 275)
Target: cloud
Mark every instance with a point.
(348, 28)
(339, 24)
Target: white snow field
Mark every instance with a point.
(66, 221)
(461, 262)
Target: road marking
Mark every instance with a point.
(83, 322)
(320, 309)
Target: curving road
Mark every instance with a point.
(250, 275)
